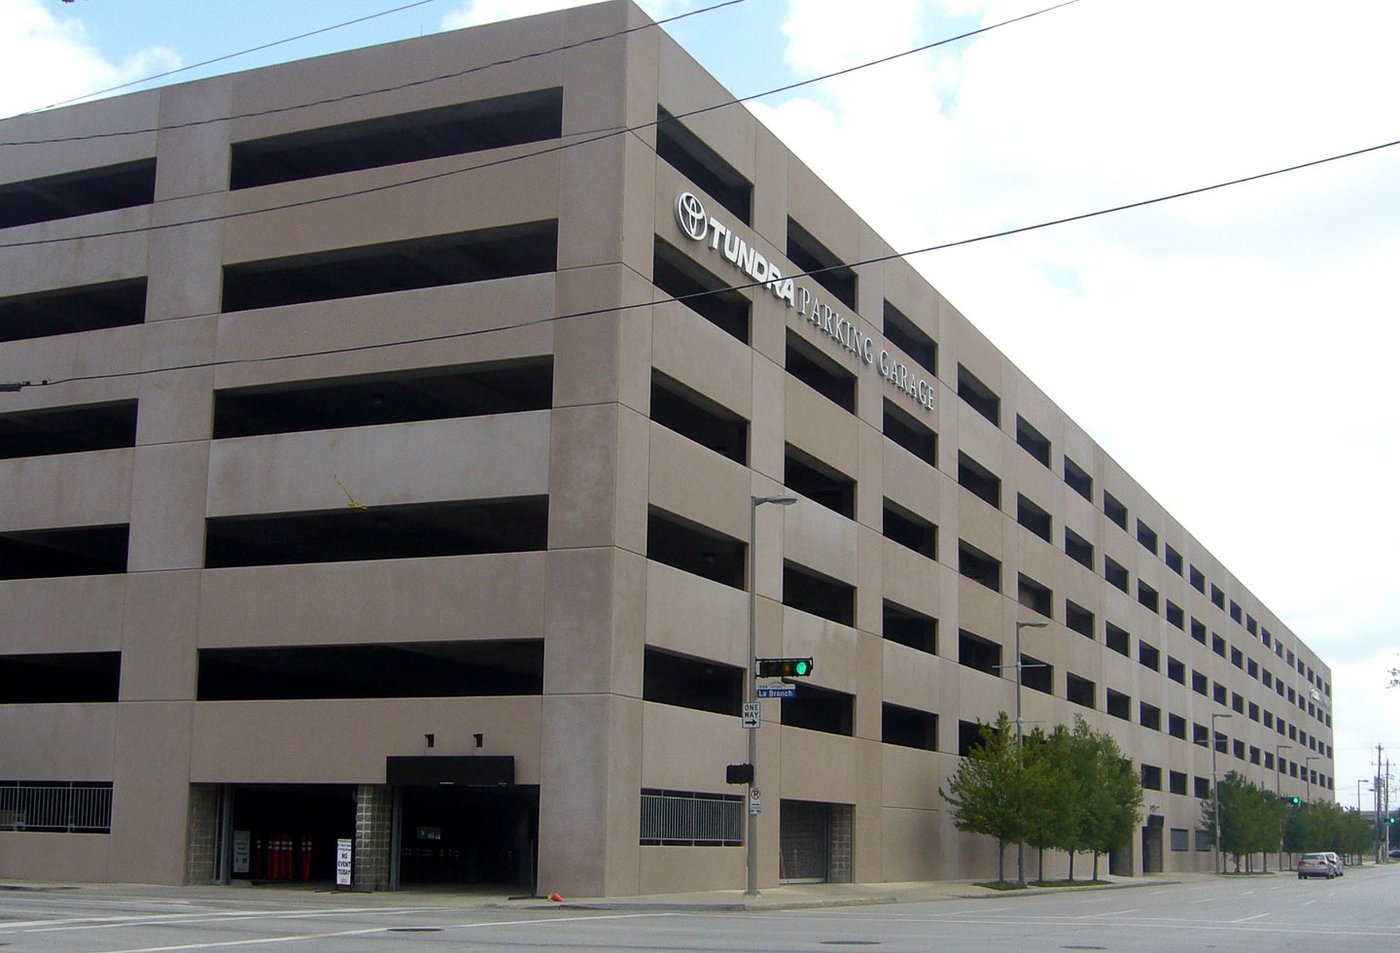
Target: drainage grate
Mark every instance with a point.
(850, 942)
(415, 929)
(1083, 947)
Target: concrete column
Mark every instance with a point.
(374, 820)
(201, 851)
(842, 831)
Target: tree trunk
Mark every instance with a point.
(1040, 875)
(1001, 861)
(1096, 865)
(1071, 866)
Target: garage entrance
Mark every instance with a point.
(287, 832)
(462, 835)
(1152, 845)
(814, 842)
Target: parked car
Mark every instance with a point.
(1338, 865)
(1395, 854)
(1315, 865)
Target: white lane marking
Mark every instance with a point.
(294, 938)
(151, 919)
(1257, 916)
(255, 942)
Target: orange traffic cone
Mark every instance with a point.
(555, 897)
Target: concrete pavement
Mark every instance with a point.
(783, 897)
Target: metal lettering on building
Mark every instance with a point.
(698, 225)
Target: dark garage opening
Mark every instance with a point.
(452, 834)
(290, 830)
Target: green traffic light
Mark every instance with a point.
(802, 667)
(1296, 800)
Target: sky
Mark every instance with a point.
(1233, 350)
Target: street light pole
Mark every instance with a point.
(1278, 792)
(1215, 787)
(1020, 736)
(1306, 780)
(751, 689)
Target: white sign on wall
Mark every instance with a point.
(343, 861)
(700, 226)
(242, 850)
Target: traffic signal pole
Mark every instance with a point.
(751, 688)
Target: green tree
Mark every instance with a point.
(1356, 834)
(989, 791)
(1081, 762)
(1251, 818)
(1320, 825)
(1113, 798)
(1050, 799)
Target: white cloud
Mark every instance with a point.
(46, 59)
(1234, 350)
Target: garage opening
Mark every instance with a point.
(814, 840)
(288, 832)
(450, 834)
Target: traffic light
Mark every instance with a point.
(738, 774)
(1295, 800)
(784, 667)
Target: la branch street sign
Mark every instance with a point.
(777, 691)
(752, 714)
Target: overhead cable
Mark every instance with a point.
(275, 110)
(612, 309)
(548, 150)
(220, 59)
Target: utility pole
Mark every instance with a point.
(1020, 735)
(1377, 788)
(751, 688)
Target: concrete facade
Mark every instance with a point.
(597, 599)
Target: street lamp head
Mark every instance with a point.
(1031, 625)
(782, 499)
(1221, 714)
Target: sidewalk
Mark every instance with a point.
(800, 896)
(784, 897)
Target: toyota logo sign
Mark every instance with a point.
(690, 215)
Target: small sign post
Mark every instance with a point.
(242, 851)
(344, 863)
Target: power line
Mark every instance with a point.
(219, 59)
(349, 96)
(549, 150)
(593, 312)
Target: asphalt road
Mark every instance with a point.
(1359, 912)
